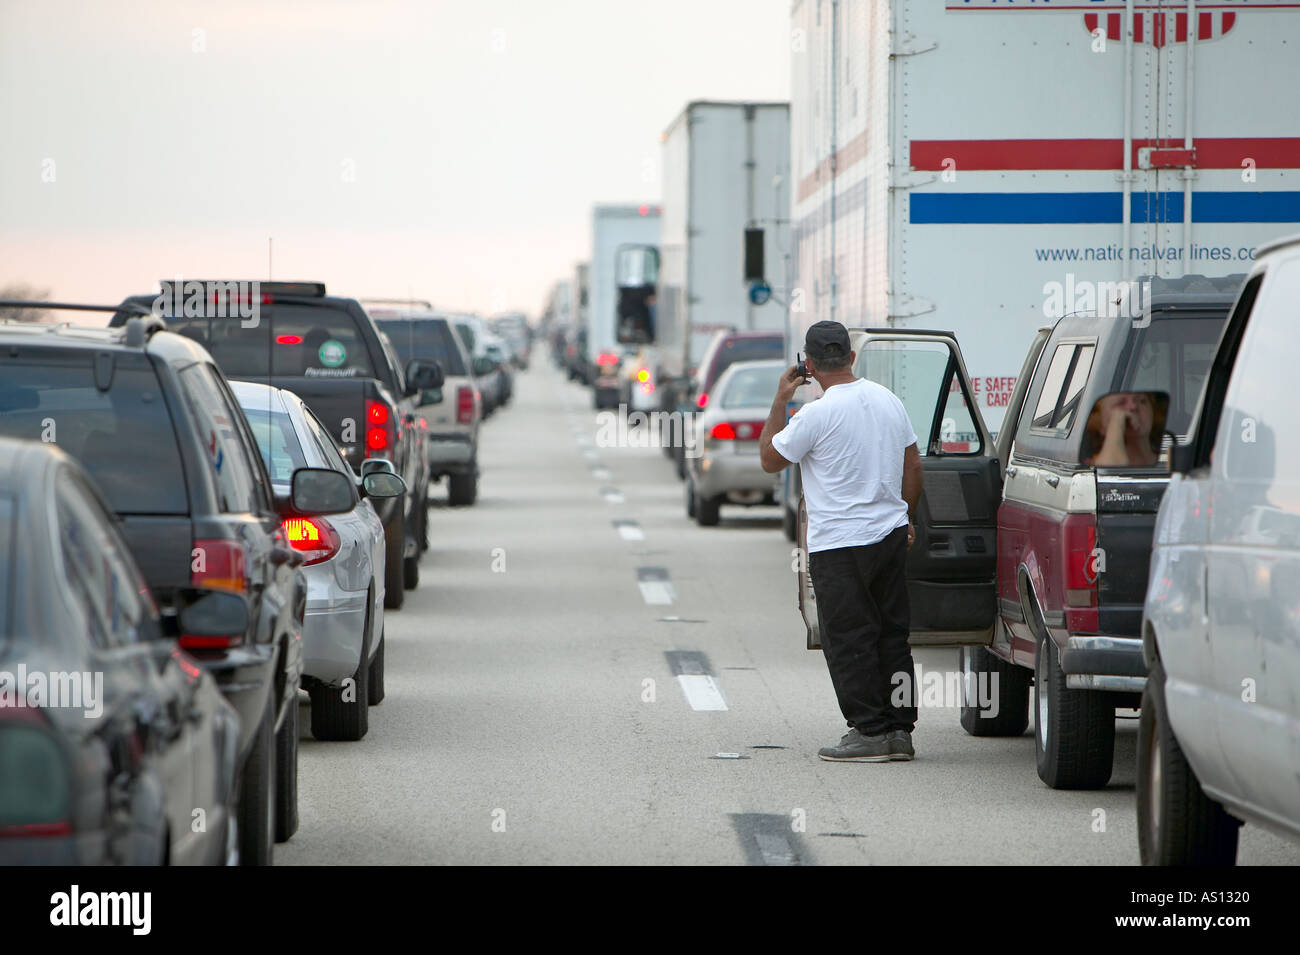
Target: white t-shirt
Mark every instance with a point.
(849, 446)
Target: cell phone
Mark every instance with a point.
(800, 367)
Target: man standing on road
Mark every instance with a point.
(861, 472)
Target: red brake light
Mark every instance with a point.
(288, 339)
(314, 537)
(702, 399)
(606, 358)
(1084, 563)
(737, 431)
(381, 433)
(464, 405)
(219, 565)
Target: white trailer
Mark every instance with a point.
(726, 168)
(968, 165)
(613, 228)
(977, 158)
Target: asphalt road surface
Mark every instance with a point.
(535, 713)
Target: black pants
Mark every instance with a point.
(865, 619)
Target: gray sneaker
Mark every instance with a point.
(856, 748)
(900, 745)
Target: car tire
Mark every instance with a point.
(1177, 823)
(707, 510)
(462, 489)
(257, 795)
(679, 459)
(286, 774)
(395, 538)
(790, 524)
(1007, 686)
(333, 717)
(422, 512)
(411, 572)
(690, 497)
(1074, 730)
(375, 689)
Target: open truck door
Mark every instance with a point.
(952, 566)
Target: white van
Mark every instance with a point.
(1219, 738)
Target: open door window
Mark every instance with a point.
(952, 566)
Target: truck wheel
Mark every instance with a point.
(1074, 730)
(342, 712)
(1002, 687)
(1177, 823)
(286, 771)
(707, 510)
(422, 512)
(257, 795)
(789, 524)
(462, 489)
(690, 497)
(395, 538)
(375, 690)
(411, 572)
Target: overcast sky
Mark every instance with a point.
(449, 150)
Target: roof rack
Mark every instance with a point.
(421, 302)
(73, 306)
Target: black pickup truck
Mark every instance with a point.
(326, 350)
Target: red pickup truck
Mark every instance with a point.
(1029, 555)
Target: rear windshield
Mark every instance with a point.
(121, 436)
(1174, 355)
(751, 387)
(277, 442)
(744, 349)
(425, 338)
(312, 341)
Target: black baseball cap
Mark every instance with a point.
(827, 340)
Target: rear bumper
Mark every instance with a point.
(450, 454)
(1100, 662)
(715, 474)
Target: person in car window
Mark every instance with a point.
(861, 472)
(1121, 432)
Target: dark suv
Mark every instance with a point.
(327, 351)
(150, 417)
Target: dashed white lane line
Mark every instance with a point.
(701, 692)
(695, 677)
(612, 495)
(656, 588)
(629, 530)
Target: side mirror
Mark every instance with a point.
(316, 491)
(423, 376)
(483, 365)
(1125, 429)
(431, 396)
(214, 613)
(382, 484)
(377, 464)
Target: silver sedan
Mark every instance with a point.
(724, 467)
(343, 629)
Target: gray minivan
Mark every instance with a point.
(1219, 738)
